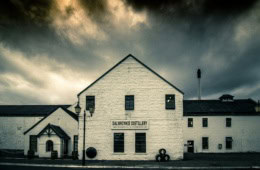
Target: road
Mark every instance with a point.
(10, 167)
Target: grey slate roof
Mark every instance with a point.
(219, 108)
(28, 110)
(57, 129)
(190, 108)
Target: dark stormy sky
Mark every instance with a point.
(51, 50)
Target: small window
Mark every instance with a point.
(205, 122)
(129, 102)
(33, 143)
(205, 143)
(228, 122)
(140, 143)
(190, 122)
(49, 146)
(75, 146)
(90, 102)
(229, 141)
(170, 101)
(119, 142)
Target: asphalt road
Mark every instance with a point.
(8, 167)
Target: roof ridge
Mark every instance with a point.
(72, 114)
(129, 55)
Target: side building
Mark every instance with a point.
(221, 126)
(137, 112)
(57, 131)
(39, 128)
(16, 119)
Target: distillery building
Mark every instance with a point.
(130, 113)
(137, 112)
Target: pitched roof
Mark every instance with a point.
(28, 110)
(57, 129)
(241, 107)
(73, 115)
(130, 55)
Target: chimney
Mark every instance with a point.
(226, 98)
(199, 88)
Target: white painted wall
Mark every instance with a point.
(59, 118)
(244, 131)
(131, 78)
(56, 146)
(12, 129)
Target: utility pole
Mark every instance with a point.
(199, 88)
(84, 134)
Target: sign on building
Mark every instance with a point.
(129, 124)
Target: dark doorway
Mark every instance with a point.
(65, 148)
(190, 146)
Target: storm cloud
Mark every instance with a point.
(51, 50)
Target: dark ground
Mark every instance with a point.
(190, 160)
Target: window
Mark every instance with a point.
(205, 143)
(140, 143)
(119, 142)
(49, 146)
(90, 102)
(170, 101)
(33, 143)
(190, 122)
(129, 102)
(229, 141)
(75, 146)
(228, 122)
(205, 122)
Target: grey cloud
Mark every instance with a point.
(193, 7)
(23, 12)
(97, 10)
(14, 97)
(180, 36)
(182, 44)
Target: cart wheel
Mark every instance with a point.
(162, 151)
(158, 158)
(167, 158)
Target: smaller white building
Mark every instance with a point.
(221, 126)
(16, 119)
(58, 131)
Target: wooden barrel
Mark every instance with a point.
(54, 154)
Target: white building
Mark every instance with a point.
(57, 131)
(137, 112)
(221, 126)
(130, 92)
(16, 119)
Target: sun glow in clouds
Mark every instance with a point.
(36, 78)
(70, 21)
(126, 15)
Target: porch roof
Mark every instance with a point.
(57, 129)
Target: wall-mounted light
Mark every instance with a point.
(77, 108)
